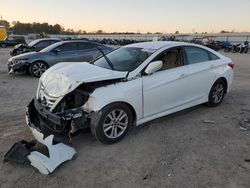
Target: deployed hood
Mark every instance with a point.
(65, 77)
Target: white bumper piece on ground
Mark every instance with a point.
(58, 154)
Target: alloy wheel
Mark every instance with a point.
(218, 93)
(38, 69)
(115, 123)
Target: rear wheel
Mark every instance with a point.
(217, 93)
(38, 68)
(113, 123)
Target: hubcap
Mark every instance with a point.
(218, 93)
(115, 123)
(38, 69)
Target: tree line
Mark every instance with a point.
(20, 28)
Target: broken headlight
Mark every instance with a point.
(57, 85)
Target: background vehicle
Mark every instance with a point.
(3, 33)
(12, 40)
(36, 63)
(35, 45)
(234, 48)
(244, 47)
(129, 86)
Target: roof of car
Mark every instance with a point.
(154, 45)
(48, 39)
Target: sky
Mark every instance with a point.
(167, 16)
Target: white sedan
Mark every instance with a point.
(129, 86)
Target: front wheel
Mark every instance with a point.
(216, 94)
(113, 123)
(38, 68)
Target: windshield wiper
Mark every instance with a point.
(107, 59)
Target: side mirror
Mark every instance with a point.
(153, 67)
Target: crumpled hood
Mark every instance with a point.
(65, 77)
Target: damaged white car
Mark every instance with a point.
(130, 86)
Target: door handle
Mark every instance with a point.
(212, 66)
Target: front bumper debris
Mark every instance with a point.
(58, 153)
(17, 67)
(21, 152)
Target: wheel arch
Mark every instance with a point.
(224, 80)
(40, 61)
(130, 107)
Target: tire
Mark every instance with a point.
(38, 68)
(216, 94)
(107, 128)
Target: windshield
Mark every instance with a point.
(51, 47)
(125, 59)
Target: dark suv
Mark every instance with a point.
(35, 45)
(12, 40)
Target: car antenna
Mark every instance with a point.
(107, 59)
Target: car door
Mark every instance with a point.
(87, 51)
(67, 52)
(165, 90)
(201, 73)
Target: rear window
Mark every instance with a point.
(213, 56)
(196, 55)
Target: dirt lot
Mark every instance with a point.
(175, 151)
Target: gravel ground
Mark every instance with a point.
(180, 150)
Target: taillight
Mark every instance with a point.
(231, 65)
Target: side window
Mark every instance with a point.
(52, 42)
(85, 46)
(170, 58)
(213, 56)
(68, 47)
(196, 55)
(42, 44)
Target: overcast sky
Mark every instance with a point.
(133, 15)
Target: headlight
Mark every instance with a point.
(56, 85)
(19, 61)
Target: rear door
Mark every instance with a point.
(200, 65)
